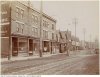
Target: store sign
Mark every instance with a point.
(5, 19)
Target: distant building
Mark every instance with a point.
(64, 41)
(75, 43)
(96, 44)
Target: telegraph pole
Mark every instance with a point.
(40, 49)
(75, 23)
(10, 40)
(90, 41)
(84, 36)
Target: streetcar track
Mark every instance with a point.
(38, 68)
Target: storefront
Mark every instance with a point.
(53, 47)
(19, 46)
(24, 46)
(46, 46)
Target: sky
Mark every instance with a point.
(85, 12)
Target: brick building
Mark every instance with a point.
(24, 29)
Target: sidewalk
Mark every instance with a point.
(19, 58)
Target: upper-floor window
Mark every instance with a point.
(17, 27)
(33, 18)
(17, 12)
(45, 34)
(22, 14)
(52, 35)
(45, 23)
(33, 31)
(36, 19)
(22, 28)
(53, 26)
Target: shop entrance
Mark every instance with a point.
(46, 46)
(23, 47)
(14, 46)
(36, 47)
(30, 47)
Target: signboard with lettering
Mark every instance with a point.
(5, 19)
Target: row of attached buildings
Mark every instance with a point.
(21, 22)
(20, 32)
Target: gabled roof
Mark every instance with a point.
(68, 35)
(63, 36)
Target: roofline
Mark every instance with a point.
(39, 12)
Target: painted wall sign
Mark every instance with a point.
(5, 19)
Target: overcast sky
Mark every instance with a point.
(86, 12)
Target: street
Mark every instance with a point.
(79, 64)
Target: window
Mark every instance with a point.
(22, 14)
(36, 19)
(22, 28)
(33, 18)
(36, 32)
(47, 34)
(17, 12)
(52, 35)
(47, 24)
(43, 33)
(33, 30)
(17, 29)
(43, 22)
(53, 26)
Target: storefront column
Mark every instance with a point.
(18, 45)
(11, 48)
(27, 47)
(50, 47)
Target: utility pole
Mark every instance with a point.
(90, 41)
(84, 36)
(10, 40)
(67, 42)
(75, 23)
(41, 49)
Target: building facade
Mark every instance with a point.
(24, 30)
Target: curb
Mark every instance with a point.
(11, 61)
